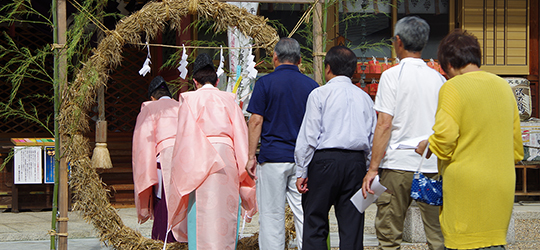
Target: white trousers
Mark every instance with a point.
(275, 183)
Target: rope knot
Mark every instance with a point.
(115, 33)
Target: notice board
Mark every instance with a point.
(28, 165)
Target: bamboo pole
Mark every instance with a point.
(63, 171)
(56, 133)
(317, 43)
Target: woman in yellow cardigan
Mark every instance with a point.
(477, 138)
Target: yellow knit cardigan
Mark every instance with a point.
(477, 138)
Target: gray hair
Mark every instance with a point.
(413, 32)
(287, 50)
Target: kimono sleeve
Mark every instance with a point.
(144, 164)
(240, 140)
(194, 158)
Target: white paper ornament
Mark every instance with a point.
(183, 64)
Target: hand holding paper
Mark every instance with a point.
(358, 199)
(408, 144)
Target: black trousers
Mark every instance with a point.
(334, 176)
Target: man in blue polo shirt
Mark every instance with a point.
(277, 105)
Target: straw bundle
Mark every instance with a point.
(89, 191)
(290, 232)
(252, 243)
(101, 157)
(249, 243)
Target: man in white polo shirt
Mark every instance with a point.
(407, 102)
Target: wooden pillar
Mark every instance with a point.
(318, 68)
(534, 55)
(451, 15)
(63, 174)
(12, 30)
(332, 25)
(14, 198)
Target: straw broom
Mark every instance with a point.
(101, 157)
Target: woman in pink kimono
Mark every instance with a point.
(208, 176)
(153, 141)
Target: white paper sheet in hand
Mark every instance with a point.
(362, 204)
(409, 144)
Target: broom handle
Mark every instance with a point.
(101, 124)
(101, 103)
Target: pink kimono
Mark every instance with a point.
(210, 153)
(155, 132)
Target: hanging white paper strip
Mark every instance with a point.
(220, 70)
(183, 64)
(252, 72)
(146, 66)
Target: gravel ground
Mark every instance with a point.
(26, 227)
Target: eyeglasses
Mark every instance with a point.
(394, 39)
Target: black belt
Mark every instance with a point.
(339, 150)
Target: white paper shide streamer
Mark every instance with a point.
(220, 70)
(252, 72)
(146, 66)
(183, 64)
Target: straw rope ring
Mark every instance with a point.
(89, 191)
